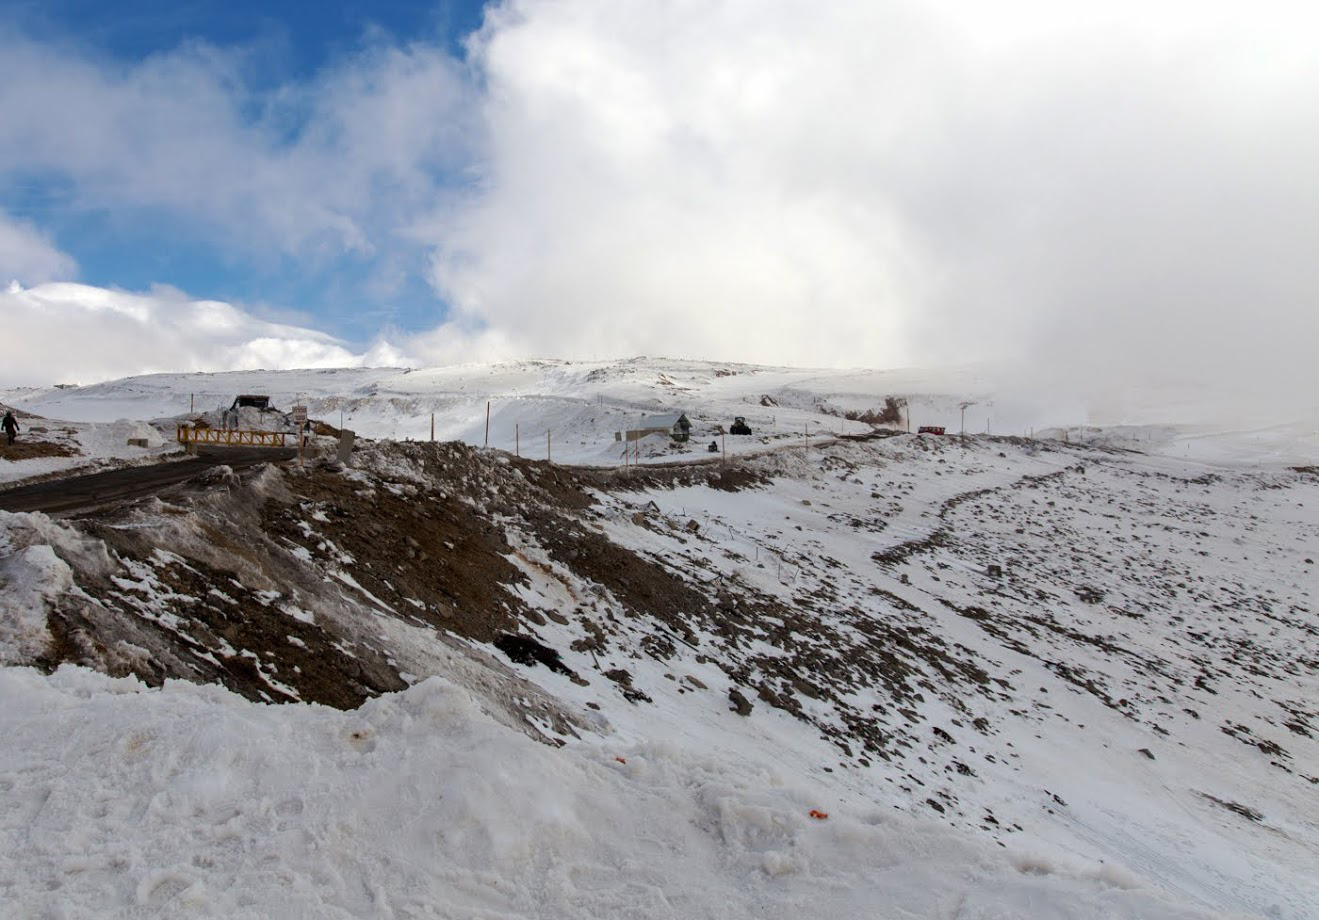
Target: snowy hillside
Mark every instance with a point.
(582, 404)
(827, 669)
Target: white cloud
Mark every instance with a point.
(74, 333)
(1106, 193)
(316, 170)
(1113, 192)
(28, 256)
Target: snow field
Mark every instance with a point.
(1156, 602)
(1058, 768)
(189, 801)
(582, 404)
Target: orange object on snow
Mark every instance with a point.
(620, 760)
(818, 815)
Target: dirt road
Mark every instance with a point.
(77, 493)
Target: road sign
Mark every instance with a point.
(300, 423)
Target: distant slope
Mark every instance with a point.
(582, 404)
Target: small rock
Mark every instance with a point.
(741, 705)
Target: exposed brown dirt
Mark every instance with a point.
(725, 477)
(431, 548)
(28, 449)
(216, 608)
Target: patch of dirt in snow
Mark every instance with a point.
(37, 437)
(282, 583)
(731, 478)
(24, 448)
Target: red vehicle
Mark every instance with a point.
(930, 429)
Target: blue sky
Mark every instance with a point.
(298, 38)
(283, 46)
(1097, 192)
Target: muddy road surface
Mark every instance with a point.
(78, 493)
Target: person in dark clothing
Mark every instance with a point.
(10, 425)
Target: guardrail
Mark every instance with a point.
(230, 437)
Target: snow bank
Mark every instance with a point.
(34, 576)
(126, 801)
(31, 577)
(124, 429)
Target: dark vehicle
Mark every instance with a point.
(740, 426)
(930, 429)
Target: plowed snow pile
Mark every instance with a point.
(190, 801)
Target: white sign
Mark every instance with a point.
(300, 424)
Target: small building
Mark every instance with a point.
(931, 429)
(673, 424)
(258, 401)
(251, 400)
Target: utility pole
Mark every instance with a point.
(300, 420)
(487, 423)
(432, 427)
(517, 440)
(963, 406)
(548, 457)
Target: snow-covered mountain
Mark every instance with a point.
(826, 668)
(581, 404)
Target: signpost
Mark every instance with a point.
(963, 407)
(300, 421)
